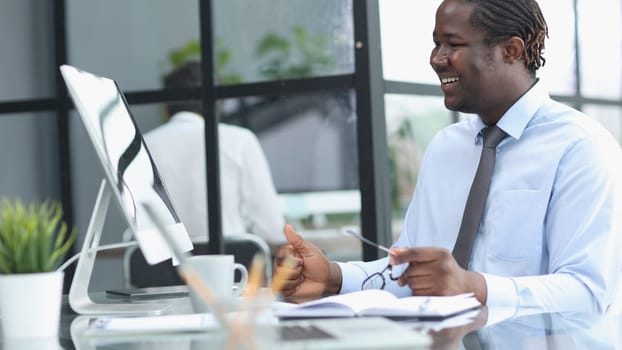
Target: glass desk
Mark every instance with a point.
(486, 329)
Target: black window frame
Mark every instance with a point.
(367, 81)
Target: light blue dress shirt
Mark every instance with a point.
(550, 236)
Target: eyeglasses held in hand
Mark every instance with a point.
(375, 280)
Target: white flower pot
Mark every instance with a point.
(30, 304)
(31, 344)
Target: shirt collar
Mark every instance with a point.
(516, 118)
(185, 116)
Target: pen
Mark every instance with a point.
(372, 243)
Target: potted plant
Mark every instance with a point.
(33, 242)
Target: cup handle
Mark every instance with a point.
(242, 284)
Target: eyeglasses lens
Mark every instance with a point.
(375, 281)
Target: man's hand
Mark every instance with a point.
(434, 271)
(314, 275)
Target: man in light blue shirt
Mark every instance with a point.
(550, 235)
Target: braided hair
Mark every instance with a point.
(502, 19)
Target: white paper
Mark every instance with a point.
(165, 323)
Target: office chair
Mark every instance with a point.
(137, 273)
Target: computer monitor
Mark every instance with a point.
(131, 178)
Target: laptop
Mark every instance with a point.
(348, 333)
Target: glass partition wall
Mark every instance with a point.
(339, 93)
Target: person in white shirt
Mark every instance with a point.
(550, 235)
(249, 200)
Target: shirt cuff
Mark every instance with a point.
(501, 292)
(352, 275)
(501, 298)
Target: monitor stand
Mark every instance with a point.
(79, 299)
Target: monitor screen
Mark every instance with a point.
(128, 167)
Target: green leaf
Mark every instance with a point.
(32, 238)
(303, 56)
(272, 43)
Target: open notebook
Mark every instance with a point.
(377, 302)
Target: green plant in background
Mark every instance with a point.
(192, 51)
(404, 156)
(303, 57)
(33, 238)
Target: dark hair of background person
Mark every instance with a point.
(502, 19)
(187, 75)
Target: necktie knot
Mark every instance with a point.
(492, 136)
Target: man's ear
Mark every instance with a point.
(514, 48)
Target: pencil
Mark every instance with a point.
(287, 268)
(255, 276)
(195, 282)
(242, 331)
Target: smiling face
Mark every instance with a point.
(473, 74)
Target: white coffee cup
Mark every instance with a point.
(217, 272)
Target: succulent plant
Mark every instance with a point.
(33, 238)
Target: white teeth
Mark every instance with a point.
(449, 80)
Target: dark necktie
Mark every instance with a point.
(477, 196)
